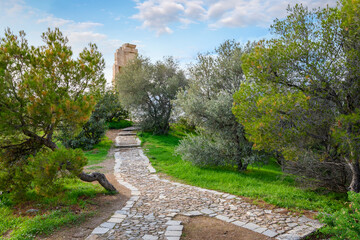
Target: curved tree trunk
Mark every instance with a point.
(355, 179)
(100, 177)
(95, 176)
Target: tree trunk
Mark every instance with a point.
(241, 166)
(97, 177)
(355, 180)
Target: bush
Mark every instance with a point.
(41, 172)
(47, 167)
(215, 150)
(345, 223)
(107, 109)
(119, 124)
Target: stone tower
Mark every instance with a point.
(123, 55)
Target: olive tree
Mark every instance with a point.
(146, 89)
(207, 103)
(305, 99)
(43, 89)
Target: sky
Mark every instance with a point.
(159, 28)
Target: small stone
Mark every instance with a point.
(32, 211)
(292, 224)
(251, 214)
(80, 234)
(267, 211)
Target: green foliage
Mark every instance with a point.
(301, 85)
(119, 124)
(147, 90)
(47, 167)
(264, 183)
(207, 103)
(107, 109)
(345, 223)
(42, 90)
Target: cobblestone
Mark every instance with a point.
(155, 202)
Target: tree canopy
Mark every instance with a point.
(302, 95)
(207, 103)
(147, 89)
(41, 90)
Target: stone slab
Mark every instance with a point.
(288, 237)
(150, 237)
(193, 213)
(239, 223)
(108, 225)
(260, 229)
(173, 223)
(251, 226)
(175, 228)
(207, 211)
(118, 215)
(270, 233)
(173, 233)
(116, 220)
(100, 230)
(223, 218)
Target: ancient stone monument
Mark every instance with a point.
(123, 55)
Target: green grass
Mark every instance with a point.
(120, 124)
(68, 207)
(266, 183)
(100, 151)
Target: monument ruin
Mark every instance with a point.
(123, 55)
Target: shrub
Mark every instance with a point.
(119, 124)
(49, 166)
(107, 109)
(345, 223)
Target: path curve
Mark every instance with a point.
(155, 202)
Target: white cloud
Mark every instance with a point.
(159, 15)
(85, 37)
(156, 15)
(52, 21)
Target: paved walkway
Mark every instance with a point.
(154, 203)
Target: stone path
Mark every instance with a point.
(154, 202)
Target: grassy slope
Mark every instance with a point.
(266, 183)
(100, 151)
(54, 211)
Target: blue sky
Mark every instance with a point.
(179, 28)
